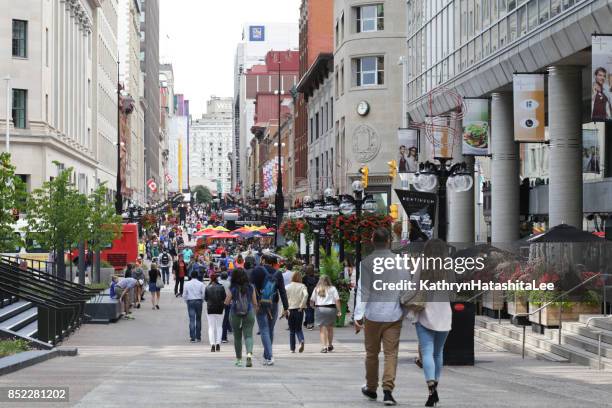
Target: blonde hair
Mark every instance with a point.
(323, 284)
(296, 277)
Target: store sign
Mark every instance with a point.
(601, 99)
(257, 33)
(476, 131)
(408, 151)
(317, 224)
(421, 210)
(529, 109)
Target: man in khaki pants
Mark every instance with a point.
(380, 314)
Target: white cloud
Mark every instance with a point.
(199, 38)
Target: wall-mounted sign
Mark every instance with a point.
(601, 103)
(529, 109)
(475, 131)
(408, 151)
(257, 33)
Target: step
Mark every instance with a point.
(589, 332)
(8, 300)
(21, 320)
(515, 346)
(605, 324)
(13, 310)
(31, 330)
(582, 342)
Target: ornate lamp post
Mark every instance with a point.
(440, 177)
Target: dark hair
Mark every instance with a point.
(240, 280)
(380, 237)
(224, 275)
(289, 265)
(600, 69)
(310, 269)
(269, 259)
(194, 274)
(249, 262)
(239, 258)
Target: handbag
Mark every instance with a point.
(413, 302)
(159, 282)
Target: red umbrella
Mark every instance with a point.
(223, 235)
(207, 231)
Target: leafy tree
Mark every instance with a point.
(103, 225)
(58, 214)
(12, 192)
(203, 195)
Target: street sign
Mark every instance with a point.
(317, 224)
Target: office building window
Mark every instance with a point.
(20, 38)
(20, 103)
(369, 71)
(370, 18)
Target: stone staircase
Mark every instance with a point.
(579, 343)
(20, 317)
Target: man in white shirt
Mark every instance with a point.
(193, 293)
(380, 314)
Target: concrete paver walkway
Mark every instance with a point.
(149, 362)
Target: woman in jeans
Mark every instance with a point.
(310, 280)
(434, 322)
(243, 302)
(326, 302)
(297, 296)
(155, 291)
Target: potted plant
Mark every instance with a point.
(331, 266)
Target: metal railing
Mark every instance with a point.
(61, 303)
(599, 333)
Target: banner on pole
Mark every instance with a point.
(601, 99)
(408, 157)
(475, 131)
(529, 109)
(421, 211)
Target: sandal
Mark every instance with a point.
(324, 350)
(418, 362)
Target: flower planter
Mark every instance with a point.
(549, 317)
(493, 300)
(519, 307)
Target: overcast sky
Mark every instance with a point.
(199, 38)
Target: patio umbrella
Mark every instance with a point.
(223, 235)
(564, 233)
(220, 228)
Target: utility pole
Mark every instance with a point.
(118, 196)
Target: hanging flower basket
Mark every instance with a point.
(351, 229)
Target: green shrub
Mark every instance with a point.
(10, 347)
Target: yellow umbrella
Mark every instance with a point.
(220, 228)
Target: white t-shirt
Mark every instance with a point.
(287, 275)
(331, 295)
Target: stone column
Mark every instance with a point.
(505, 196)
(565, 126)
(460, 205)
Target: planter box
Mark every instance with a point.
(549, 317)
(493, 300)
(106, 274)
(519, 307)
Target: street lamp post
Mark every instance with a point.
(8, 113)
(279, 200)
(442, 177)
(118, 195)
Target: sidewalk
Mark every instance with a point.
(150, 362)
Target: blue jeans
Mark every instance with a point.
(266, 319)
(295, 327)
(226, 323)
(431, 344)
(309, 320)
(166, 275)
(194, 308)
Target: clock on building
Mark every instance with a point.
(363, 108)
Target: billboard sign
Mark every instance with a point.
(601, 96)
(475, 132)
(529, 109)
(257, 33)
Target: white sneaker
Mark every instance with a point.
(271, 361)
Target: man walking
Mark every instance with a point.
(165, 261)
(180, 270)
(380, 314)
(270, 287)
(194, 297)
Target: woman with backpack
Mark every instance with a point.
(326, 302)
(243, 306)
(214, 296)
(297, 296)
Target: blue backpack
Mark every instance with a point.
(268, 290)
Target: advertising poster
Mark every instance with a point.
(421, 210)
(601, 93)
(408, 151)
(475, 131)
(438, 128)
(529, 108)
(590, 151)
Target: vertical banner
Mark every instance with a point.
(438, 128)
(529, 109)
(408, 152)
(590, 151)
(421, 210)
(475, 131)
(601, 99)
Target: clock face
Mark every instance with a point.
(363, 108)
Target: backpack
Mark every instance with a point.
(268, 290)
(240, 302)
(165, 259)
(215, 296)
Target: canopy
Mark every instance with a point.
(220, 228)
(223, 235)
(208, 231)
(564, 233)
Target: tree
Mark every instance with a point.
(202, 195)
(103, 225)
(13, 195)
(58, 215)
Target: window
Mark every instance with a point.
(311, 130)
(370, 18)
(20, 38)
(19, 108)
(369, 71)
(317, 125)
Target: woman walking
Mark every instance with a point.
(310, 280)
(243, 306)
(326, 302)
(154, 276)
(297, 296)
(433, 320)
(214, 296)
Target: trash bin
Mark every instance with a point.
(459, 347)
